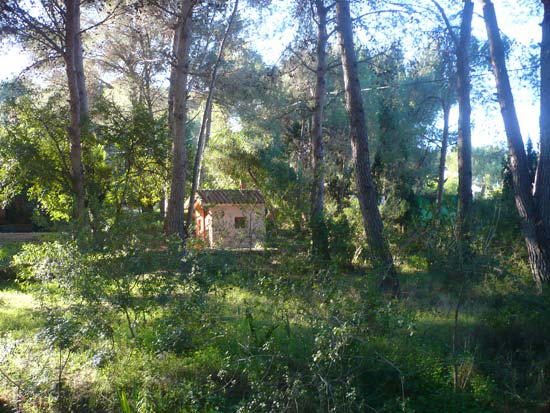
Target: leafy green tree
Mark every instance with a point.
(56, 29)
(35, 155)
(401, 124)
(486, 170)
(136, 145)
(249, 159)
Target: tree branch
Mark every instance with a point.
(447, 23)
(308, 67)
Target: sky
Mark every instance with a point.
(487, 124)
(487, 129)
(12, 60)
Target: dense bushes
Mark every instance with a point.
(125, 321)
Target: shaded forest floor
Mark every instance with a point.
(265, 332)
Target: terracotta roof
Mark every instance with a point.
(230, 196)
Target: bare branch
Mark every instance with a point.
(37, 64)
(447, 23)
(308, 67)
(108, 17)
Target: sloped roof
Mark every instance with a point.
(230, 196)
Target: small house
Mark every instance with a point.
(227, 218)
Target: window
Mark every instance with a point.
(240, 222)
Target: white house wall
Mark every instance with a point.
(221, 226)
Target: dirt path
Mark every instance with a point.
(20, 236)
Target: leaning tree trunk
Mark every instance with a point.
(366, 193)
(204, 131)
(174, 222)
(533, 227)
(542, 186)
(464, 211)
(319, 235)
(72, 65)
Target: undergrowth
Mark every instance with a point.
(135, 325)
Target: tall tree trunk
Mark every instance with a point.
(463, 215)
(201, 144)
(443, 154)
(319, 233)
(79, 64)
(162, 204)
(303, 148)
(93, 191)
(172, 82)
(73, 62)
(174, 222)
(366, 193)
(533, 227)
(542, 185)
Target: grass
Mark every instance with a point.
(19, 312)
(273, 332)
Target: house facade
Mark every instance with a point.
(226, 218)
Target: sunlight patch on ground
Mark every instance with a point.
(17, 312)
